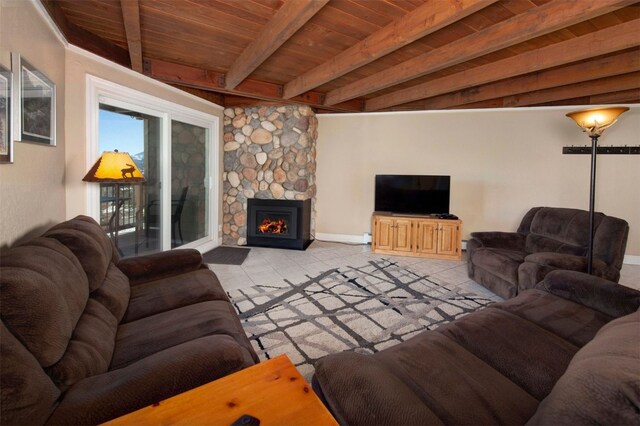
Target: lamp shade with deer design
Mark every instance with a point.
(114, 167)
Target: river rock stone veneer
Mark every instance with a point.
(269, 153)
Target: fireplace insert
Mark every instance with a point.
(279, 223)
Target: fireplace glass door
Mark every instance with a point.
(274, 223)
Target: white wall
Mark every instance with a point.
(501, 162)
(32, 193)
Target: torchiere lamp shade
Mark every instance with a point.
(596, 120)
(114, 167)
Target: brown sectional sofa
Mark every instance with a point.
(547, 239)
(566, 353)
(86, 337)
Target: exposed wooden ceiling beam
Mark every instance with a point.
(587, 88)
(612, 39)
(526, 26)
(216, 98)
(621, 63)
(624, 96)
(426, 19)
(201, 78)
(84, 39)
(289, 18)
(131, 17)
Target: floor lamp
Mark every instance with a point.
(117, 168)
(594, 122)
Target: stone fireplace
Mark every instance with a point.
(269, 154)
(279, 223)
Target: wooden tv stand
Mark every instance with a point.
(417, 236)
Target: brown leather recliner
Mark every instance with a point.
(548, 238)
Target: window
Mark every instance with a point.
(175, 148)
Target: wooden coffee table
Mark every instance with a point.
(273, 392)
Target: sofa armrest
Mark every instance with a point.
(152, 267)
(596, 293)
(162, 375)
(504, 240)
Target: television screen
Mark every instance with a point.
(412, 194)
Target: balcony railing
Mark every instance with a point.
(127, 198)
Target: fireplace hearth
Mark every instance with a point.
(279, 223)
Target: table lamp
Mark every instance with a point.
(117, 168)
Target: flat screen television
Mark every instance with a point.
(412, 194)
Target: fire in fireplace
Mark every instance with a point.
(279, 223)
(268, 226)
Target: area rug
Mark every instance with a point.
(360, 308)
(223, 255)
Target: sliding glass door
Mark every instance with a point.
(140, 217)
(172, 146)
(189, 176)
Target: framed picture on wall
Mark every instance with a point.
(38, 106)
(6, 141)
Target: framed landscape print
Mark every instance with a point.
(38, 106)
(6, 141)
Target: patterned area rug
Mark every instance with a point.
(365, 309)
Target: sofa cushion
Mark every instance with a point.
(27, 394)
(610, 241)
(359, 390)
(560, 230)
(421, 381)
(517, 348)
(565, 225)
(139, 339)
(501, 262)
(150, 380)
(173, 292)
(91, 346)
(43, 292)
(601, 385)
(443, 373)
(497, 285)
(89, 243)
(114, 293)
(573, 322)
(540, 244)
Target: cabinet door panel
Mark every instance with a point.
(426, 237)
(384, 233)
(448, 239)
(402, 238)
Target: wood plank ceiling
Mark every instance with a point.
(371, 55)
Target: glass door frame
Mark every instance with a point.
(100, 91)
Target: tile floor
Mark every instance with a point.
(269, 265)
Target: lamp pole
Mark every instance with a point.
(594, 121)
(117, 227)
(592, 201)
